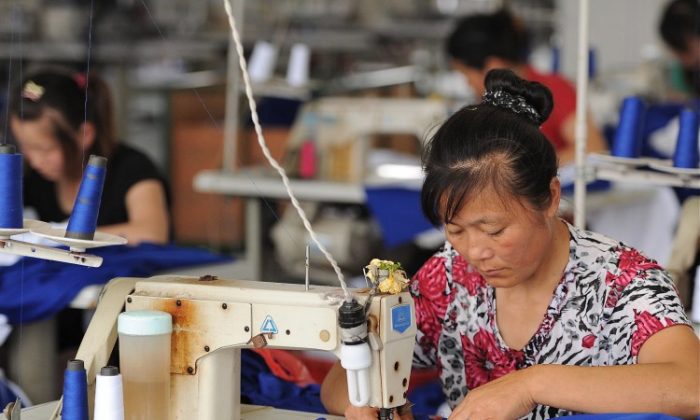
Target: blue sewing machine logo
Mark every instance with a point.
(268, 326)
(401, 318)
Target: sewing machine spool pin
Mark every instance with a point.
(306, 264)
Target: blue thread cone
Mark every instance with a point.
(628, 137)
(10, 188)
(592, 63)
(75, 403)
(83, 219)
(686, 154)
(556, 56)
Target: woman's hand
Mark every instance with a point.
(508, 397)
(360, 413)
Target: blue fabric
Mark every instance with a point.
(426, 400)
(7, 395)
(276, 111)
(34, 289)
(595, 186)
(623, 416)
(260, 386)
(398, 212)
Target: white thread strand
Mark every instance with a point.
(211, 237)
(87, 79)
(266, 151)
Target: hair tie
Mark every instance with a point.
(514, 103)
(80, 80)
(32, 91)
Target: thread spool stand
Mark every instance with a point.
(75, 255)
(77, 246)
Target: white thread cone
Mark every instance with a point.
(262, 61)
(298, 70)
(109, 398)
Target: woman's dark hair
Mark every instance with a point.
(61, 95)
(679, 23)
(491, 145)
(480, 36)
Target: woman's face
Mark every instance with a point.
(502, 237)
(41, 148)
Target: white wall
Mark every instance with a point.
(620, 30)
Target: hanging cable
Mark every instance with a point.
(268, 155)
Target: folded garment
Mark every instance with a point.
(34, 289)
(259, 386)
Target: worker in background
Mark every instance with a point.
(680, 30)
(482, 42)
(59, 119)
(524, 314)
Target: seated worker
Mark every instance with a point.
(56, 128)
(522, 313)
(482, 42)
(680, 30)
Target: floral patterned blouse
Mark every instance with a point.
(609, 300)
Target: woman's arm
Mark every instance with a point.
(334, 390)
(148, 214)
(334, 396)
(667, 379)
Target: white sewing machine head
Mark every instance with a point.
(213, 319)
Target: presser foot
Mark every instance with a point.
(386, 414)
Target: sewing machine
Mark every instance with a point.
(342, 130)
(213, 319)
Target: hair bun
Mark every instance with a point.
(535, 94)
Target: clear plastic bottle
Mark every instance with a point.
(144, 357)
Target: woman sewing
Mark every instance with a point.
(522, 313)
(58, 119)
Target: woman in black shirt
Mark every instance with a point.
(58, 119)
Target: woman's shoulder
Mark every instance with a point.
(595, 249)
(613, 265)
(126, 157)
(130, 165)
(446, 269)
(127, 167)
